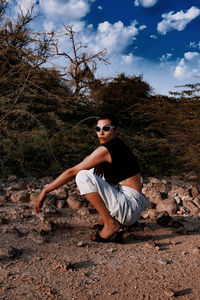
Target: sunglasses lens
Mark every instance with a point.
(106, 128)
(97, 129)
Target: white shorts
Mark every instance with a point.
(124, 203)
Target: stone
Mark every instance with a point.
(60, 193)
(20, 196)
(83, 211)
(177, 191)
(169, 205)
(196, 201)
(150, 244)
(12, 178)
(177, 199)
(3, 198)
(169, 292)
(10, 252)
(155, 197)
(73, 202)
(46, 226)
(61, 203)
(194, 192)
(149, 214)
(196, 250)
(190, 206)
(81, 244)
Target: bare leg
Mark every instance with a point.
(110, 224)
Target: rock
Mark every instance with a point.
(46, 226)
(155, 197)
(149, 213)
(10, 252)
(177, 191)
(3, 198)
(65, 266)
(81, 244)
(83, 211)
(196, 201)
(19, 197)
(31, 185)
(169, 293)
(73, 202)
(60, 193)
(190, 206)
(12, 178)
(61, 204)
(177, 199)
(150, 244)
(169, 205)
(196, 250)
(19, 186)
(50, 210)
(194, 192)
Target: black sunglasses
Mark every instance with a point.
(104, 128)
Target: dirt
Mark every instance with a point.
(51, 256)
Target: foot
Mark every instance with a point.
(109, 229)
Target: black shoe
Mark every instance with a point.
(117, 237)
(97, 226)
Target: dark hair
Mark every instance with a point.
(113, 119)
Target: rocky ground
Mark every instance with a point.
(51, 256)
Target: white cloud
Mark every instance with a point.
(153, 37)
(194, 45)
(177, 21)
(145, 3)
(188, 66)
(165, 57)
(114, 37)
(65, 10)
(127, 59)
(48, 26)
(142, 27)
(190, 55)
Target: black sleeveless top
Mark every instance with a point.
(124, 163)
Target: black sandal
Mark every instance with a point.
(97, 227)
(117, 237)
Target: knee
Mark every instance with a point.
(82, 176)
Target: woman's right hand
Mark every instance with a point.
(40, 200)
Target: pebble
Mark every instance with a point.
(83, 211)
(150, 244)
(81, 244)
(196, 250)
(169, 292)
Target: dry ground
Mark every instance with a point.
(55, 259)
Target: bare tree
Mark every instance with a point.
(81, 65)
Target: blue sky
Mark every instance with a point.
(159, 39)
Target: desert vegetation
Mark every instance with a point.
(47, 116)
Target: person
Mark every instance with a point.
(109, 178)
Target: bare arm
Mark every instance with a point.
(98, 156)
